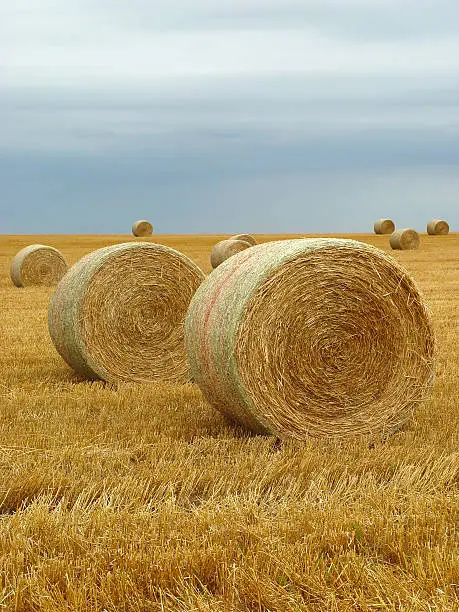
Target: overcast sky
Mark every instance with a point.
(228, 115)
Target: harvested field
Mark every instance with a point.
(142, 497)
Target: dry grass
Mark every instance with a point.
(145, 499)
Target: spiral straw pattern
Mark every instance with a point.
(142, 228)
(119, 313)
(225, 249)
(312, 337)
(38, 264)
(437, 227)
(384, 226)
(404, 240)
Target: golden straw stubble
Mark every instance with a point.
(312, 337)
(142, 228)
(38, 264)
(404, 239)
(384, 226)
(225, 249)
(437, 227)
(119, 313)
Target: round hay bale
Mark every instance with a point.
(225, 249)
(245, 237)
(404, 239)
(384, 226)
(311, 337)
(118, 314)
(38, 264)
(437, 227)
(142, 228)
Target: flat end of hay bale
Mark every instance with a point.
(142, 228)
(38, 265)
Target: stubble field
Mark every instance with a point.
(142, 497)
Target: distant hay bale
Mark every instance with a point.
(245, 237)
(142, 228)
(225, 249)
(404, 239)
(38, 264)
(437, 227)
(119, 313)
(312, 337)
(384, 226)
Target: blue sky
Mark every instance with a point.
(211, 116)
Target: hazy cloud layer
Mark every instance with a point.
(257, 115)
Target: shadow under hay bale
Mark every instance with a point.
(312, 337)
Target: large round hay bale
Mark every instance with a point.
(404, 239)
(245, 237)
(225, 249)
(142, 228)
(437, 227)
(118, 314)
(38, 264)
(312, 337)
(384, 226)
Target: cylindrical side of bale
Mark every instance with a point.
(312, 337)
(118, 314)
(384, 226)
(142, 228)
(245, 237)
(38, 264)
(225, 249)
(437, 227)
(404, 240)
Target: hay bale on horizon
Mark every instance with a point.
(118, 314)
(311, 337)
(37, 264)
(437, 227)
(384, 226)
(142, 228)
(245, 237)
(225, 249)
(404, 239)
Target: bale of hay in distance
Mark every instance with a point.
(404, 239)
(437, 227)
(38, 264)
(245, 237)
(384, 226)
(225, 249)
(118, 314)
(311, 337)
(142, 228)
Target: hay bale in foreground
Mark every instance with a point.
(225, 249)
(38, 264)
(142, 228)
(404, 239)
(119, 313)
(384, 226)
(312, 337)
(245, 237)
(437, 227)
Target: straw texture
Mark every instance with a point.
(142, 228)
(312, 337)
(38, 264)
(384, 226)
(437, 227)
(119, 313)
(404, 239)
(245, 237)
(225, 249)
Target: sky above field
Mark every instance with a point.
(214, 116)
